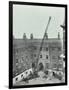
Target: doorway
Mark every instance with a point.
(41, 67)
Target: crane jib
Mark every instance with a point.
(43, 41)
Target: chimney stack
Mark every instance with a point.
(31, 36)
(58, 35)
(24, 36)
(46, 35)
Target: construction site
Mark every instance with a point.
(38, 61)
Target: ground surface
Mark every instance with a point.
(40, 80)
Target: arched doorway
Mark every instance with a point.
(41, 67)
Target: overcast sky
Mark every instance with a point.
(33, 19)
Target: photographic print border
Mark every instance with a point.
(11, 3)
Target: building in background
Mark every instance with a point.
(25, 52)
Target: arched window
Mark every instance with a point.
(40, 56)
(46, 56)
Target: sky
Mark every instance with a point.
(33, 19)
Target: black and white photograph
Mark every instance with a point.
(39, 53)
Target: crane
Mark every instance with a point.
(36, 66)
